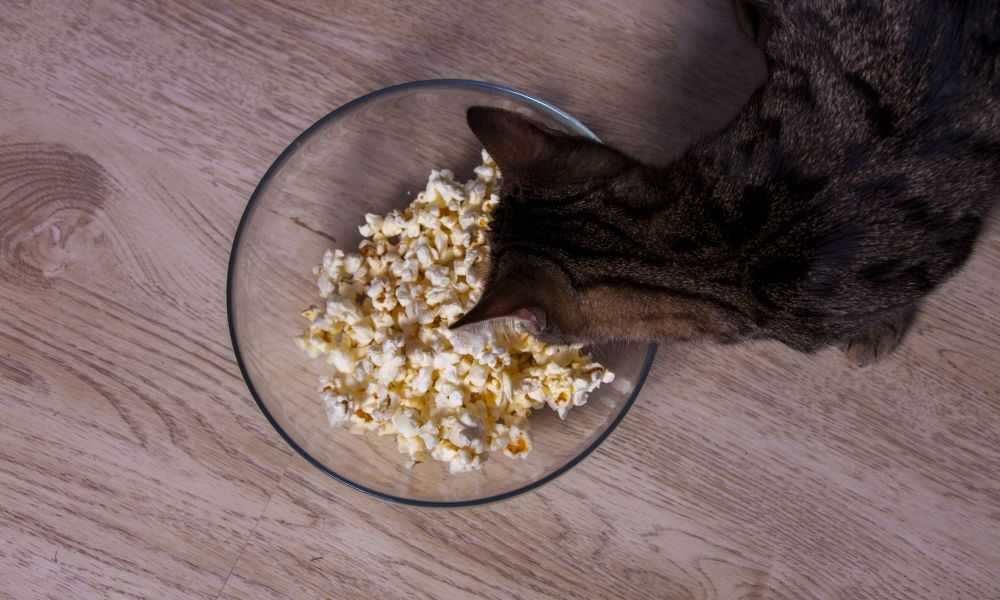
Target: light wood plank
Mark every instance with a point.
(133, 464)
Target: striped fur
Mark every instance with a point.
(854, 182)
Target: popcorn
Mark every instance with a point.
(396, 368)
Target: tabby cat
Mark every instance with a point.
(853, 182)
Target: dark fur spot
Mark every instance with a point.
(799, 221)
(697, 185)
(755, 209)
(725, 224)
(811, 313)
(682, 245)
(880, 115)
(793, 81)
(919, 276)
(739, 224)
(799, 93)
(985, 149)
(957, 246)
(824, 287)
(723, 280)
(856, 155)
(780, 269)
(920, 212)
(771, 127)
(864, 11)
(840, 246)
(817, 20)
(801, 186)
(881, 271)
(760, 294)
(773, 272)
(988, 46)
(915, 209)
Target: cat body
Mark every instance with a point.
(854, 182)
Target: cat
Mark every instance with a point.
(853, 182)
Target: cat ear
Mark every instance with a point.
(528, 152)
(754, 19)
(505, 300)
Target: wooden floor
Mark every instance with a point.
(133, 462)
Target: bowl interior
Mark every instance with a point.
(374, 155)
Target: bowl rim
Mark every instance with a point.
(537, 103)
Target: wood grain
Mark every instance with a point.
(133, 463)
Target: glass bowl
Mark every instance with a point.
(372, 155)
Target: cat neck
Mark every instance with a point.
(733, 185)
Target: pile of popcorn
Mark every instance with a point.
(397, 369)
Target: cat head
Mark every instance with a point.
(545, 255)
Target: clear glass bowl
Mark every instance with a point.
(372, 155)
